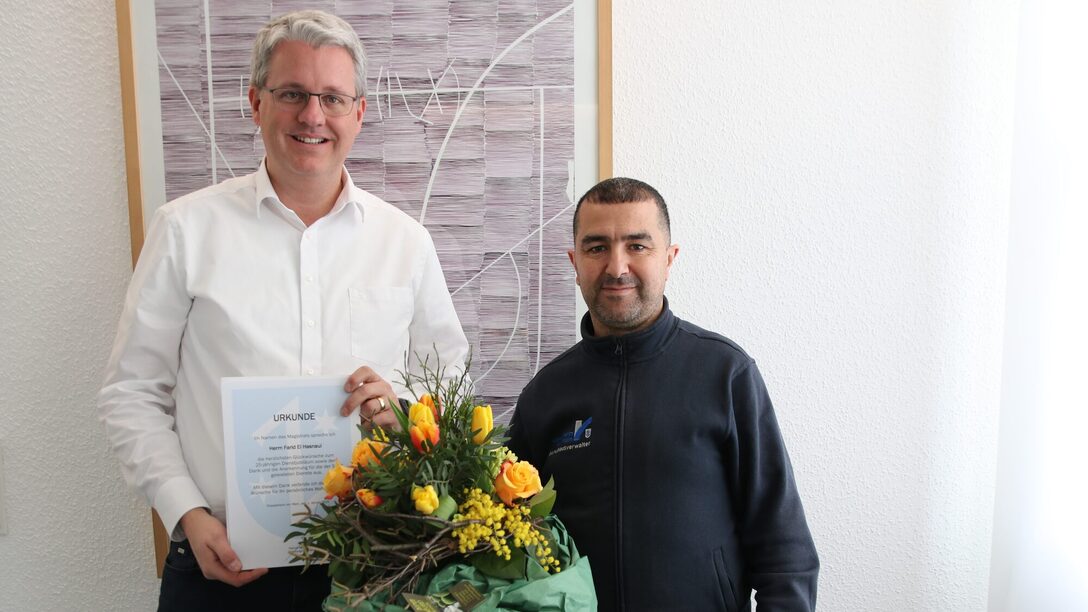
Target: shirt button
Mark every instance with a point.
(310, 371)
(309, 278)
(310, 322)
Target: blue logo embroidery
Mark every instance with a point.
(578, 438)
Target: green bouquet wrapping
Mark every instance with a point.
(436, 512)
(532, 589)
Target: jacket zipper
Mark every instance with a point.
(621, 400)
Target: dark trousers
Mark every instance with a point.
(288, 589)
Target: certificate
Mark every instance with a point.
(280, 437)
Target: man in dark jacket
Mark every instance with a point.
(671, 470)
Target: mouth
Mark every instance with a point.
(309, 141)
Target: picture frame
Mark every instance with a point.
(151, 177)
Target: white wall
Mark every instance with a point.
(838, 175)
(77, 538)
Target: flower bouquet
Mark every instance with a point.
(438, 513)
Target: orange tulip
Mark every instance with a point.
(368, 498)
(436, 407)
(424, 431)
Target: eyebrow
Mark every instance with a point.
(637, 236)
(298, 86)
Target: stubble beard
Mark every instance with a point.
(624, 315)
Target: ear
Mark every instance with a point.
(255, 104)
(570, 255)
(670, 256)
(359, 113)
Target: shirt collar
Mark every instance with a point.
(265, 194)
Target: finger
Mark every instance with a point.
(365, 395)
(386, 420)
(227, 567)
(355, 400)
(226, 555)
(352, 401)
(245, 577)
(360, 377)
(373, 408)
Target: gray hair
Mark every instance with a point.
(315, 28)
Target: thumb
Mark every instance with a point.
(226, 555)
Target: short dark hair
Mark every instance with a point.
(623, 190)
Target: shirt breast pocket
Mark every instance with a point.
(380, 317)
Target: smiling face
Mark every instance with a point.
(303, 147)
(621, 260)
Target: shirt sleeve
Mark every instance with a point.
(780, 555)
(435, 330)
(136, 402)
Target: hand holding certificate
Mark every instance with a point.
(280, 435)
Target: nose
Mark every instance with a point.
(617, 263)
(311, 112)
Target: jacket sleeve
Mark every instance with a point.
(517, 441)
(779, 553)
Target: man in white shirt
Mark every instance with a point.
(290, 271)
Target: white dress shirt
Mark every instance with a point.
(231, 283)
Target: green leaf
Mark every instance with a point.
(541, 504)
(394, 405)
(493, 565)
(446, 507)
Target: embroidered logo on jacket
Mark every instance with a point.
(578, 438)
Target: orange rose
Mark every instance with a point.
(338, 481)
(367, 451)
(424, 431)
(368, 498)
(517, 480)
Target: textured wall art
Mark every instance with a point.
(469, 128)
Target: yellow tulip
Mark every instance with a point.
(420, 413)
(426, 499)
(482, 423)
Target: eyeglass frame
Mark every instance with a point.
(310, 94)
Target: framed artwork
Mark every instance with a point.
(485, 120)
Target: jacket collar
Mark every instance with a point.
(636, 346)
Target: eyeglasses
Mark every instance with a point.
(334, 104)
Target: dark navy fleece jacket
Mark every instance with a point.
(671, 471)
